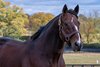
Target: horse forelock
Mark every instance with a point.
(72, 12)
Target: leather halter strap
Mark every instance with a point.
(62, 34)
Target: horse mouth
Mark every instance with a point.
(77, 48)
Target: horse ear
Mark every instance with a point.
(64, 9)
(76, 9)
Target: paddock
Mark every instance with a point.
(82, 59)
(82, 65)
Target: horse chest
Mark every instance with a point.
(40, 60)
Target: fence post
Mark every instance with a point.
(92, 65)
(72, 65)
(82, 65)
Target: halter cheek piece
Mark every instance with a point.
(62, 34)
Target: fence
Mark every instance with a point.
(82, 65)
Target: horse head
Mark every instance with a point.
(69, 27)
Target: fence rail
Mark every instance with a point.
(82, 65)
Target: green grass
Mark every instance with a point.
(81, 58)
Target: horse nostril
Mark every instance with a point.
(67, 38)
(77, 44)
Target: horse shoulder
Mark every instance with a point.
(26, 62)
(13, 55)
(61, 62)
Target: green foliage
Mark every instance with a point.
(15, 23)
(2, 4)
(90, 29)
(39, 19)
(12, 21)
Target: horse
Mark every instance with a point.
(46, 50)
(3, 40)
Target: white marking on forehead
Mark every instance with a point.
(72, 19)
(79, 39)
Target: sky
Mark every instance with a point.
(55, 6)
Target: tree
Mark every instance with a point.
(89, 27)
(39, 19)
(12, 21)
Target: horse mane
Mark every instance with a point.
(41, 29)
(4, 40)
(72, 12)
(33, 37)
(36, 35)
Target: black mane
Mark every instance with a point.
(4, 40)
(72, 12)
(36, 35)
(43, 28)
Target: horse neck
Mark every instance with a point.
(50, 42)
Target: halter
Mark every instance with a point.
(62, 34)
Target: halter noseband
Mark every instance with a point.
(62, 34)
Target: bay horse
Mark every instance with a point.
(47, 49)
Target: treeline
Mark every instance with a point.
(12, 20)
(90, 27)
(15, 23)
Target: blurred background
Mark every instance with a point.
(19, 19)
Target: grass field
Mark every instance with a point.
(82, 58)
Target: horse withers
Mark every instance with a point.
(46, 50)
